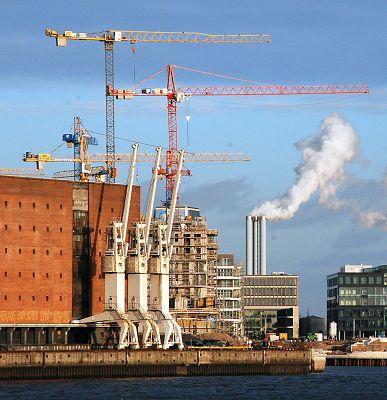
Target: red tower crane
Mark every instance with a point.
(175, 95)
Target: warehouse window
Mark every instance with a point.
(6, 227)
(33, 228)
(47, 275)
(33, 205)
(99, 299)
(5, 274)
(6, 250)
(112, 209)
(47, 206)
(47, 252)
(61, 252)
(33, 251)
(60, 229)
(19, 251)
(33, 298)
(46, 298)
(19, 204)
(61, 206)
(60, 298)
(19, 274)
(19, 227)
(33, 274)
(19, 298)
(5, 297)
(6, 203)
(61, 275)
(47, 229)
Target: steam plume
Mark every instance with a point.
(322, 169)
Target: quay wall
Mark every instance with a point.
(358, 359)
(121, 363)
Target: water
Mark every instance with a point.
(339, 383)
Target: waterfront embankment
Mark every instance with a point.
(16, 365)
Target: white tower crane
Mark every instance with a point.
(137, 268)
(113, 266)
(159, 271)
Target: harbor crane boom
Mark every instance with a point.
(110, 37)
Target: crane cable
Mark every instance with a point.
(188, 116)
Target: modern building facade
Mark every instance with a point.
(255, 245)
(270, 304)
(228, 295)
(357, 301)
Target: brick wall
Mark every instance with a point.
(36, 224)
(35, 250)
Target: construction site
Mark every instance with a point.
(83, 264)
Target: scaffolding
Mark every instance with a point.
(193, 275)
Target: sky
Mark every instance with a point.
(313, 42)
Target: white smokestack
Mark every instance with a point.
(322, 169)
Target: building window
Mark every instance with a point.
(61, 206)
(61, 252)
(19, 274)
(20, 251)
(47, 275)
(60, 298)
(33, 205)
(61, 275)
(6, 203)
(33, 298)
(46, 298)
(5, 297)
(99, 276)
(6, 227)
(99, 299)
(112, 209)
(34, 228)
(20, 228)
(47, 206)
(19, 298)
(60, 229)
(5, 274)
(47, 229)
(5, 250)
(33, 274)
(47, 252)
(19, 204)
(33, 251)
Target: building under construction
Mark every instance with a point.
(53, 236)
(193, 271)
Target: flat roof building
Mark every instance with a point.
(270, 304)
(357, 301)
(228, 295)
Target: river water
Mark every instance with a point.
(336, 383)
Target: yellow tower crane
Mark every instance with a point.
(41, 158)
(110, 37)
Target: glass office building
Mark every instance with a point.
(357, 301)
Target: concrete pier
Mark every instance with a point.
(147, 363)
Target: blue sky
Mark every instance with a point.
(314, 42)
